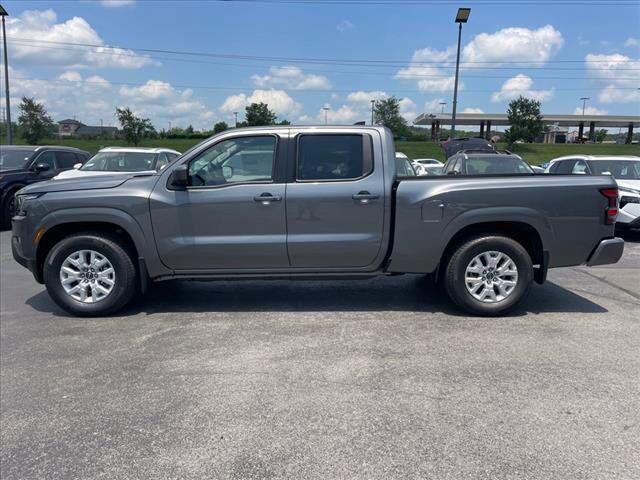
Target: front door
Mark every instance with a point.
(232, 216)
(336, 204)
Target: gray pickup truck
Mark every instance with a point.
(308, 202)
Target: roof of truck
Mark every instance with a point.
(596, 157)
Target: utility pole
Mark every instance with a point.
(3, 13)
(235, 115)
(584, 103)
(461, 17)
(373, 105)
(326, 109)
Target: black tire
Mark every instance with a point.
(115, 251)
(7, 210)
(455, 274)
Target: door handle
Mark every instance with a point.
(266, 198)
(364, 197)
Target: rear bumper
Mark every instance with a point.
(608, 251)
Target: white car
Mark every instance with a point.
(626, 171)
(427, 166)
(122, 159)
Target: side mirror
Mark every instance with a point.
(452, 172)
(227, 172)
(41, 167)
(179, 178)
(77, 166)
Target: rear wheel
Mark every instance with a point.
(489, 275)
(90, 274)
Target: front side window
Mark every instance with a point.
(237, 160)
(66, 160)
(333, 157)
(580, 168)
(120, 162)
(162, 161)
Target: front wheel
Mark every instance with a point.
(489, 275)
(90, 274)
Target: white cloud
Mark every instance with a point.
(408, 109)
(520, 85)
(619, 75)
(632, 42)
(472, 110)
(71, 76)
(514, 44)
(364, 98)
(344, 114)
(116, 3)
(429, 77)
(344, 25)
(277, 100)
(41, 25)
(158, 99)
(589, 111)
(292, 78)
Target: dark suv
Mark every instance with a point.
(22, 165)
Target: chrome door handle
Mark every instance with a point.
(266, 198)
(364, 197)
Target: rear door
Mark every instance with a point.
(335, 201)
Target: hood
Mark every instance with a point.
(78, 183)
(629, 184)
(88, 174)
(11, 171)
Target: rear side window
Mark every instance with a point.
(334, 157)
(67, 160)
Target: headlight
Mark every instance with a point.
(22, 201)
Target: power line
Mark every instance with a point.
(442, 2)
(349, 62)
(354, 72)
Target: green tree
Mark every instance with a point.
(525, 120)
(601, 135)
(134, 128)
(220, 127)
(387, 112)
(34, 122)
(258, 114)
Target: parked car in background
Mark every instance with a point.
(469, 144)
(123, 159)
(404, 166)
(463, 163)
(537, 169)
(23, 165)
(626, 171)
(308, 202)
(427, 166)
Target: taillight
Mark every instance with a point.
(611, 212)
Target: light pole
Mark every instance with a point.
(584, 103)
(3, 13)
(326, 110)
(373, 105)
(442, 104)
(235, 115)
(461, 17)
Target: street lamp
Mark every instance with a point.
(3, 13)
(584, 103)
(235, 115)
(373, 104)
(442, 104)
(326, 109)
(461, 17)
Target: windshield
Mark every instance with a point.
(500, 164)
(620, 169)
(14, 158)
(120, 162)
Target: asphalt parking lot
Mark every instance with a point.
(372, 379)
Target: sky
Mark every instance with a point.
(197, 62)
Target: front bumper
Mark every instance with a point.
(608, 251)
(22, 247)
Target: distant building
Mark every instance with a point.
(74, 128)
